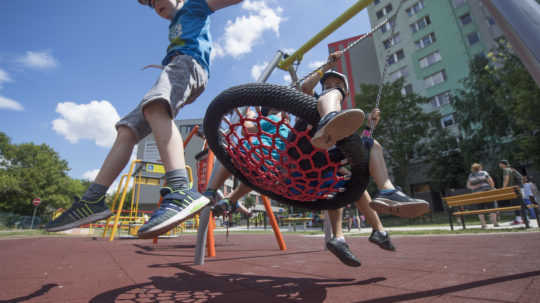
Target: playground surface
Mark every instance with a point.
(501, 267)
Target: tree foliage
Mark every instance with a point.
(403, 127)
(29, 171)
(498, 110)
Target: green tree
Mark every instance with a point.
(28, 171)
(497, 110)
(249, 201)
(403, 127)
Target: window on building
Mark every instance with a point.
(407, 90)
(430, 59)
(384, 11)
(490, 20)
(436, 78)
(440, 99)
(400, 73)
(391, 41)
(425, 41)
(415, 8)
(395, 57)
(420, 24)
(458, 3)
(465, 19)
(473, 38)
(376, 2)
(447, 121)
(388, 26)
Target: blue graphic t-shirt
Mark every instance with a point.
(269, 127)
(189, 33)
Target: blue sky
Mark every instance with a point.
(70, 69)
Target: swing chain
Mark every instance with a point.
(346, 49)
(385, 67)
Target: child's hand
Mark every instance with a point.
(333, 58)
(374, 117)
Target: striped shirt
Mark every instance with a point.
(479, 178)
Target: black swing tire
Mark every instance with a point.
(289, 100)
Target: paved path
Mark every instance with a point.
(251, 268)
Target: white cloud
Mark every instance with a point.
(245, 31)
(4, 77)
(316, 64)
(6, 103)
(94, 121)
(40, 60)
(287, 78)
(257, 69)
(90, 175)
(288, 51)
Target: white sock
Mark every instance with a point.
(340, 239)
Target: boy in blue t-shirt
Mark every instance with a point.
(183, 79)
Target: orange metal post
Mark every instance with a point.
(273, 221)
(210, 243)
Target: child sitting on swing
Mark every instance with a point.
(336, 125)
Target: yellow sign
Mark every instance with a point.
(155, 168)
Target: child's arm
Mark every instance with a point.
(219, 4)
(309, 84)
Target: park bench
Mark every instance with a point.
(456, 203)
(292, 221)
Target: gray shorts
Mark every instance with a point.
(180, 83)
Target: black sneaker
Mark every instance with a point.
(336, 126)
(397, 203)
(176, 207)
(341, 250)
(382, 240)
(80, 213)
(222, 207)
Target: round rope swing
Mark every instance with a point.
(277, 159)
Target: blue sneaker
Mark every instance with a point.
(80, 213)
(399, 204)
(176, 207)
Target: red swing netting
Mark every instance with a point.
(280, 158)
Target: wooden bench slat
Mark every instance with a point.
(506, 190)
(485, 211)
(471, 201)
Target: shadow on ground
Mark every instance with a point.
(192, 285)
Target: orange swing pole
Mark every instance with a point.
(273, 222)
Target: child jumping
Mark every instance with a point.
(183, 79)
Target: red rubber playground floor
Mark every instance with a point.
(251, 268)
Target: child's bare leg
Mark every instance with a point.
(179, 201)
(240, 191)
(219, 176)
(335, 124)
(336, 220)
(377, 167)
(168, 138)
(118, 156)
(329, 102)
(371, 216)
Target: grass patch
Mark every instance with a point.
(7, 233)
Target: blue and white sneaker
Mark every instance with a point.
(399, 204)
(80, 213)
(176, 207)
